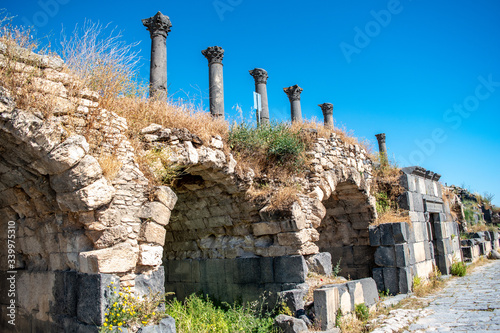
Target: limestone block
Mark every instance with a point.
(111, 236)
(166, 196)
(293, 238)
(88, 198)
(152, 232)
(370, 291)
(326, 304)
(120, 258)
(155, 211)
(153, 128)
(63, 157)
(150, 255)
(419, 251)
(83, 174)
(266, 228)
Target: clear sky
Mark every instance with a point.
(427, 73)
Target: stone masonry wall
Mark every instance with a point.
(71, 222)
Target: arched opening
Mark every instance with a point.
(344, 230)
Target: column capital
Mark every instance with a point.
(293, 92)
(158, 25)
(327, 108)
(380, 137)
(260, 75)
(214, 54)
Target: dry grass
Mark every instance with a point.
(393, 216)
(110, 165)
(351, 324)
(316, 281)
(433, 284)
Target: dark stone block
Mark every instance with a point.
(347, 256)
(93, 295)
(211, 270)
(441, 248)
(391, 280)
(320, 263)
(402, 255)
(466, 242)
(247, 271)
(374, 233)
(405, 280)
(405, 201)
(385, 256)
(438, 230)
(363, 255)
(289, 324)
(74, 326)
(266, 270)
(378, 276)
(151, 284)
(386, 234)
(179, 270)
(467, 252)
(400, 232)
(290, 269)
(294, 299)
(65, 294)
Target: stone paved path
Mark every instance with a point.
(467, 304)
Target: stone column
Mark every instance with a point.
(382, 149)
(158, 27)
(293, 93)
(215, 54)
(327, 109)
(260, 76)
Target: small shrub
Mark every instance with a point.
(417, 281)
(362, 312)
(337, 269)
(458, 269)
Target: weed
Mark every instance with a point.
(362, 312)
(337, 269)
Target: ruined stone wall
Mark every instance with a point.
(73, 226)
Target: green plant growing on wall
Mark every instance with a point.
(336, 270)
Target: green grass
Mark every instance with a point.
(198, 315)
(277, 142)
(458, 269)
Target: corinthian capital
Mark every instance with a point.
(214, 54)
(327, 108)
(293, 92)
(158, 25)
(260, 75)
(380, 137)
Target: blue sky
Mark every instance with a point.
(426, 73)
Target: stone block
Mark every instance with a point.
(385, 256)
(418, 202)
(294, 299)
(82, 174)
(63, 156)
(167, 325)
(155, 211)
(266, 270)
(402, 255)
(120, 258)
(346, 304)
(355, 289)
(374, 233)
(391, 280)
(93, 294)
(378, 276)
(386, 234)
(405, 280)
(408, 182)
(150, 255)
(326, 304)
(370, 291)
(152, 232)
(419, 251)
(266, 228)
(166, 196)
(320, 263)
(290, 269)
(179, 270)
(150, 284)
(247, 271)
(400, 232)
(289, 324)
(65, 293)
(212, 270)
(89, 198)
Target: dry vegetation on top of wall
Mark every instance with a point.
(386, 188)
(99, 60)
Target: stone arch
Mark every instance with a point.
(343, 231)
